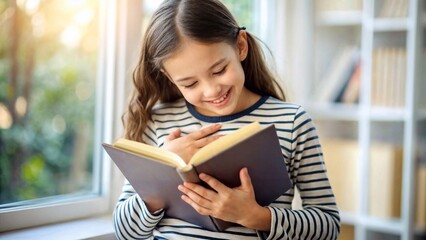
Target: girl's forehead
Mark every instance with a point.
(193, 46)
(195, 55)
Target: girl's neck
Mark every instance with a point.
(247, 99)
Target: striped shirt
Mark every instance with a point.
(319, 218)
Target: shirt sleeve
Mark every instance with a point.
(132, 219)
(319, 218)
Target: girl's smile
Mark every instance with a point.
(222, 100)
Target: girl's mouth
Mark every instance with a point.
(221, 99)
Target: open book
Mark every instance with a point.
(155, 173)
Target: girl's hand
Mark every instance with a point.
(188, 145)
(236, 205)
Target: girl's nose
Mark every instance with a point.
(211, 90)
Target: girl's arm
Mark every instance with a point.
(319, 218)
(132, 219)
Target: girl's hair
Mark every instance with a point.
(207, 21)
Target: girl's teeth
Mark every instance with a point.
(221, 99)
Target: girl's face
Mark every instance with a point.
(210, 76)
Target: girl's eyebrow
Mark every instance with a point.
(210, 68)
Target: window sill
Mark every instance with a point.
(96, 228)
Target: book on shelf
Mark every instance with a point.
(385, 180)
(351, 94)
(388, 77)
(338, 5)
(156, 173)
(421, 197)
(337, 76)
(347, 232)
(393, 9)
(341, 158)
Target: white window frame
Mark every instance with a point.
(109, 107)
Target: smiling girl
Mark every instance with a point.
(200, 76)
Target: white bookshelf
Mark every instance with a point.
(339, 18)
(390, 24)
(367, 26)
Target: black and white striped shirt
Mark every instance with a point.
(302, 154)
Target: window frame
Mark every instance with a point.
(107, 123)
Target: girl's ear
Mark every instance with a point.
(242, 44)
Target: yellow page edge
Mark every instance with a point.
(150, 151)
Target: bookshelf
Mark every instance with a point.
(380, 131)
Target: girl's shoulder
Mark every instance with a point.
(271, 101)
(276, 107)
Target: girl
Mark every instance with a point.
(201, 76)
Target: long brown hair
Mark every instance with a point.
(207, 21)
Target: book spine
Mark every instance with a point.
(189, 175)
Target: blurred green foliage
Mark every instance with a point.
(243, 11)
(48, 64)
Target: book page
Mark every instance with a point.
(224, 142)
(150, 151)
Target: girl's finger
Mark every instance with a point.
(202, 133)
(200, 209)
(204, 141)
(194, 192)
(172, 136)
(214, 183)
(245, 180)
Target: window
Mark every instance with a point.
(54, 112)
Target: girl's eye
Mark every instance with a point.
(220, 72)
(190, 85)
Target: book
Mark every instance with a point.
(348, 79)
(388, 77)
(393, 9)
(341, 156)
(347, 232)
(385, 180)
(351, 94)
(338, 74)
(421, 197)
(156, 173)
(338, 5)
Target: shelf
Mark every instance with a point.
(385, 114)
(342, 112)
(339, 18)
(393, 121)
(382, 225)
(390, 24)
(348, 218)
